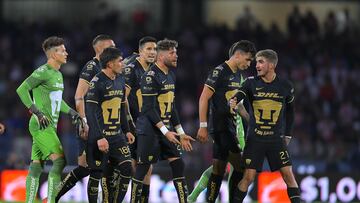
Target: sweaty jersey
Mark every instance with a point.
(47, 88)
(105, 107)
(158, 92)
(90, 69)
(225, 84)
(268, 102)
(132, 74)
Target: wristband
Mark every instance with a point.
(203, 124)
(164, 130)
(180, 130)
(84, 119)
(288, 137)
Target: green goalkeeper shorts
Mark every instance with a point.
(45, 142)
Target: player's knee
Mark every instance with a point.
(125, 168)
(35, 169)
(58, 165)
(177, 167)
(219, 167)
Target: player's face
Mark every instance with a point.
(244, 60)
(170, 59)
(60, 54)
(263, 66)
(105, 44)
(117, 65)
(148, 52)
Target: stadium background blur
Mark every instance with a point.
(317, 42)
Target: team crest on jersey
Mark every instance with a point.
(127, 70)
(215, 73)
(150, 158)
(89, 67)
(148, 80)
(247, 161)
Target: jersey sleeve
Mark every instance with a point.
(92, 107)
(37, 78)
(130, 76)
(213, 78)
(88, 72)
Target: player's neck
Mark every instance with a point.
(162, 67)
(109, 73)
(268, 78)
(143, 63)
(232, 65)
(53, 64)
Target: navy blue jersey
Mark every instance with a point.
(268, 103)
(133, 73)
(158, 93)
(105, 106)
(225, 84)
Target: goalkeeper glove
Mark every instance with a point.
(43, 120)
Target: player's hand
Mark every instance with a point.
(233, 103)
(130, 137)
(44, 122)
(103, 145)
(2, 128)
(286, 139)
(83, 130)
(185, 141)
(171, 136)
(202, 135)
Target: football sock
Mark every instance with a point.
(32, 181)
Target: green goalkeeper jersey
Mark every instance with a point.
(46, 84)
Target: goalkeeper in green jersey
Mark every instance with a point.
(46, 103)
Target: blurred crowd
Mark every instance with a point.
(322, 59)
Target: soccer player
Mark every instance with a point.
(222, 83)
(271, 120)
(133, 73)
(106, 113)
(90, 69)
(46, 103)
(158, 116)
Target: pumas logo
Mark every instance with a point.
(97, 163)
(248, 161)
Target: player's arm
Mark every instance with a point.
(34, 80)
(125, 124)
(149, 91)
(289, 115)
(93, 106)
(87, 73)
(130, 79)
(184, 138)
(205, 96)
(240, 109)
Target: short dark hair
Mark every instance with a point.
(51, 42)
(269, 54)
(108, 55)
(242, 45)
(166, 44)
(146, 39)
(100, 38)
